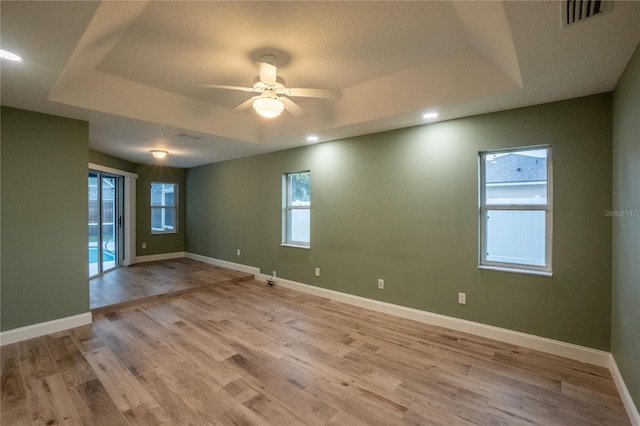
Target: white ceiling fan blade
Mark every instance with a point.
(293, 108)
(267, 73)
(224, 86)
(314, 93)
(245, 105)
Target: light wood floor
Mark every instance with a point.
(143, 282)
(241, 353)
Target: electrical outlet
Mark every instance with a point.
(317, 272)
(462, 298)
(144, 245)
(238, 252)
(380, 283)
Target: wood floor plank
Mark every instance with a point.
(426, 412)
(357, 405)
(71, 364)
(239, 414)
(177, 405)
(130, 351)
(123, 387)
(307, 408)
(270, 411)
(224, 350)
(147, 414)
(51, 403)
(95, 406)
(207, 358)
(345, 374)
(152, 280)
(14, 405)
(385, 378)
(35, 359)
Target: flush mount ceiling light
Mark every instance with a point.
(158, 153)
(312, 138)
(268, 106)
(430, 115)
(5, 54)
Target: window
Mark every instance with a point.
(516, 210)
(297, 209)
(164, 208)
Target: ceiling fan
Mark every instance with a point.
(274, 95)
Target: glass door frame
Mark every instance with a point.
(118, 225)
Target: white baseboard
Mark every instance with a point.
(555, 347)
(629, 405)
(551, 346)
(43, 328)
(161, 256)
(224, 264)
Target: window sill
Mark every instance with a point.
(295, 246)
(516, 270)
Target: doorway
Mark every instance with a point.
(106, 242)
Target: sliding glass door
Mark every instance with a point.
(105, 222)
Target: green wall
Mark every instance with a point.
(44, 218)
(106, 160)
(402, 206)
(625, 327)
(158, 243)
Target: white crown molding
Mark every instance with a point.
(36, 330)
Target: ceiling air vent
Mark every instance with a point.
(574, 11)
(188, 136)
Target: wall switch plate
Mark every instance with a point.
(238, 252)
(317, 272)
(380, 283)
(462, 298)
(144, 245)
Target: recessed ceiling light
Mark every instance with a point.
(5, 54)
(312, 138)
(158, 153)
(430, 115)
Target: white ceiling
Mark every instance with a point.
(135, 70)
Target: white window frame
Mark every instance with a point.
(174, 207)
(483, 263)
(287, 208)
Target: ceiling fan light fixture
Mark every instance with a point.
(158, 153)
(268, 107)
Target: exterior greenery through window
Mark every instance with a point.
(516, 209)
(164, 208)
(297, 209)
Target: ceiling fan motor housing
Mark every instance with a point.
(278, 87)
